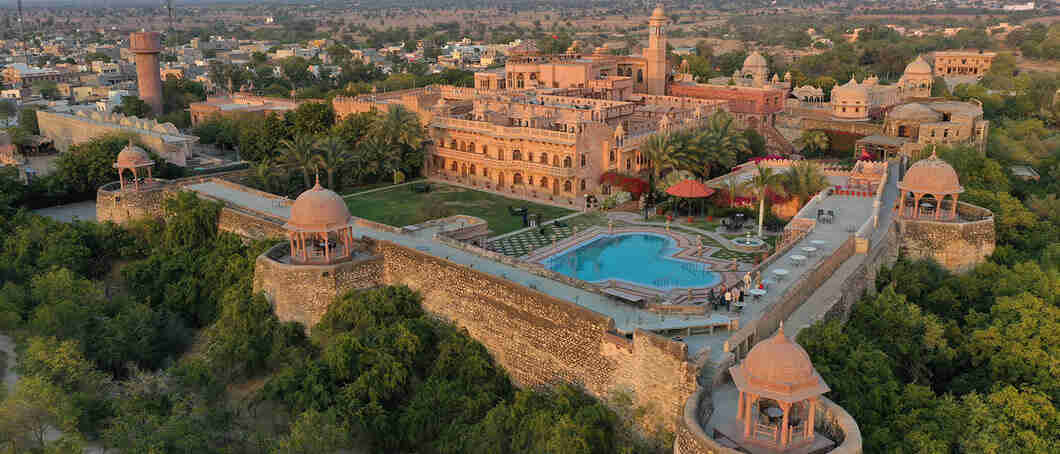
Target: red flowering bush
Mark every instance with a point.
(630, 184)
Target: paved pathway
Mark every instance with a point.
(80, 211)
(817, 304)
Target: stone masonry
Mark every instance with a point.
(957, 246)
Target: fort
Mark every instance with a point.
(731, 381)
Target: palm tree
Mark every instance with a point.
(803, 181)
(717, 145)
(764, 180)
(812, 142)
(401, 129)
(733, 187)
(265, 174)
(656, 150)
(300, 152)
(332, 156)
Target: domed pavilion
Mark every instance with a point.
(850, 101)
(320, 229)
(779, 391)
(924, 190)
(135, 160)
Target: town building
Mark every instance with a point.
(962, 63)
(23, 75)
(239, 104)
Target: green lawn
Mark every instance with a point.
(400, 207)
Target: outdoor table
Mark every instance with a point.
(780, 272)
(798, 259)
(757, 293)
(739, 306)
(774, 412)
(818, 242)
(809, 250)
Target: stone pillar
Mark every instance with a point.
(749, 401)
(786, 407)
(740, 409)
(810, 418)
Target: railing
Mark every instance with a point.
(506, 131)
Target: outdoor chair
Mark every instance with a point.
(831, 214)
(820, 213)
(560, 224)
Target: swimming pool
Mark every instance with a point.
(638, 258)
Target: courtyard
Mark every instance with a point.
(402, 206)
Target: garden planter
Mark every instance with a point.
(690, 219)
(658, 211)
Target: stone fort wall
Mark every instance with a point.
(540, 340)
(302, 293)
(957, 246)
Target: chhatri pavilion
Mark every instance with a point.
(320, 229)
(779, 392)
(925, 188)
(133, 159)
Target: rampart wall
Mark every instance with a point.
(542, 340)
(851, 127)
(302, 293)
(957, 246)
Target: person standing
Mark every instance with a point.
(728, 300)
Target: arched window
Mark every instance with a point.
(583, 160)
(517, 179)
(612, 156)
(454, 167)
(473, 169)
(530, 180)
(629, 164)
(640, 76)
(582, 185)
(567, 186)
(544, 182)
(530, 156)
(485, 172)
(453, 144)
(544, 158)
(517, 155)
(567, 162)
(471, 147)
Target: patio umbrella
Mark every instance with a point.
(690, 189)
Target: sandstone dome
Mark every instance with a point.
(318, 210)
(850, 93)
(659, 12)
(931, 176)
(780, 369)
(133, 156)
(918, 67)
(754, 60)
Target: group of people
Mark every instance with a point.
(734, 295)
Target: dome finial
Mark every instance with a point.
(317, 186)
(780, 330)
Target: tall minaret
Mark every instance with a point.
(655, 53)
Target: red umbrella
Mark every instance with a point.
(690, 189)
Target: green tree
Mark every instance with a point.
(311, 118)
(402, 131)
(763, 181)
(27, 120)
(133, 106)
(812, 142)
(657, 150)
(47, 89)
(803, 180)
(28, 415)
(315, 432)
(300, 152)
(333, 155)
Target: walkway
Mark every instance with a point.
(80, 211)
(254, 201)
(818, 303)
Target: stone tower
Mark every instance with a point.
(655, 53)
(147, 46)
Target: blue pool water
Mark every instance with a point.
(638, 258)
